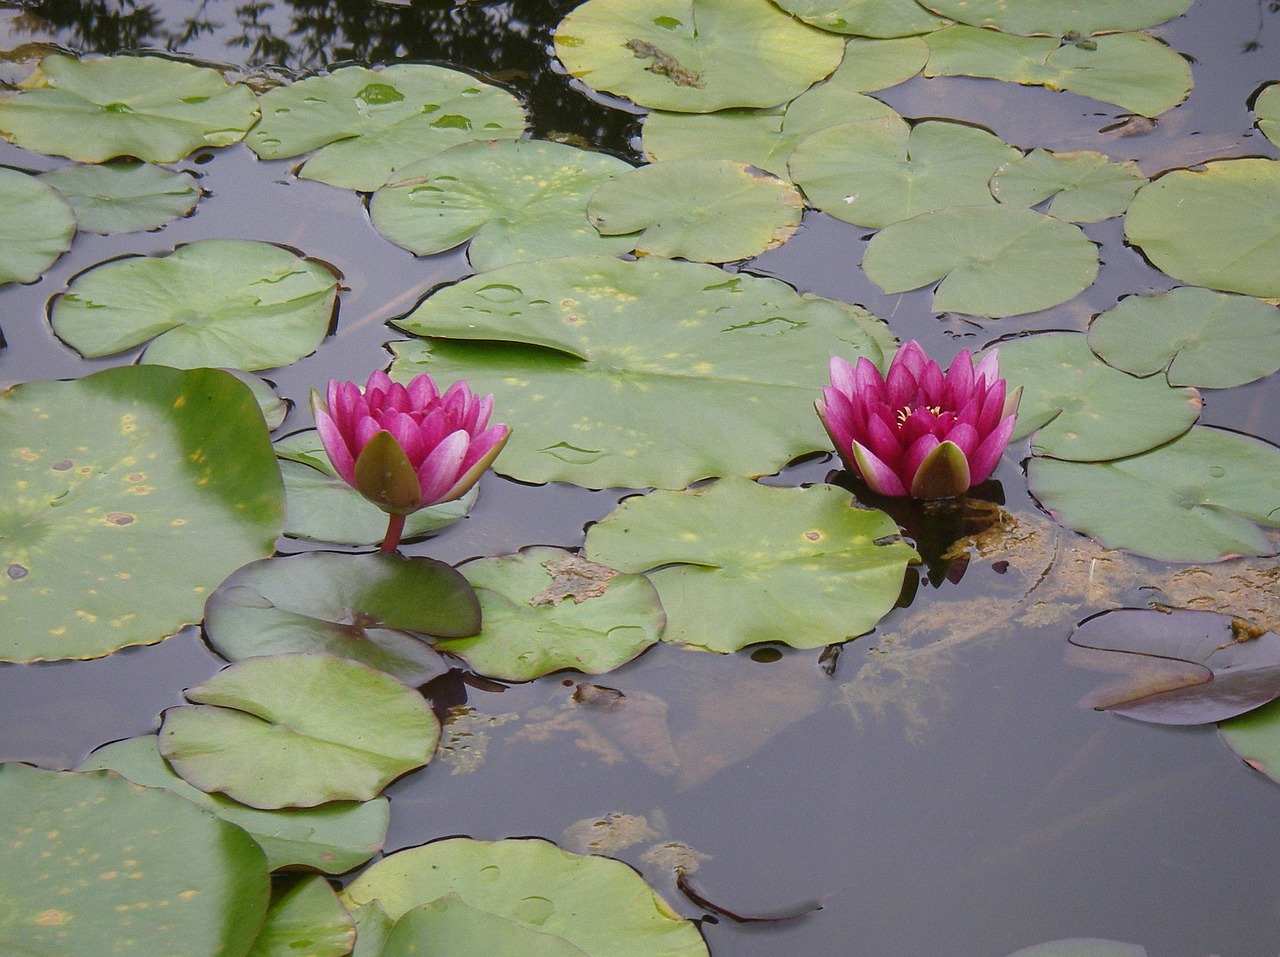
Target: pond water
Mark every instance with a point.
(941, 791)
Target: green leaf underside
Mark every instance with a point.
(1057, 18)
(698, 209)
(987, 260)
(1207, 339)
(332, 838)
(363, 607)
(515, 200)
(215, 302)
(1082, 187)
(1267, 109)
(298, 730)
(1195, 499)
(546, 609)
(305, 919)
(36, 227)
(706, 55)
(601, 388)
(1218, 226)
(154, 109)
(595, 904)
(866, 18)
(737, 563)
(367, 124)
(1131, 70)
(124, 197)
(1080, 408)
(95, 865)
(119, 480)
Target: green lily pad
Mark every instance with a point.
(332, 838)
(270, 404)
(450, 925)
(297, 731)
(96, 865)
(698, 209)
(124, 197)
(324, 508)
(602, 389)
(987, 260)
(372, 929)
(866, 18)
(151, 108)
(1212, 340)
(1131, 70)
(546, 609)
(1082, 187)
(367, 124)
(1195, 499)
(306, 919)
(1218, 226)
(1082, 947)
(1082, 409)
(1256, 738)
(1058, 18)
(362, 607)
(737, 563)
(216, 302)
(132, 493)
(516, 200)
(694, 56)
(595, 904)
(37, 226)
(1267, 109)
(876, 172)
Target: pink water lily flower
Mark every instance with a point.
(407, 447)
(916, 431)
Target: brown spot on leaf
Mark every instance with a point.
(62, 466)
(16, 571)
(119, 518)
(573, 577)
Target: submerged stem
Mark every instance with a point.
(395, 528)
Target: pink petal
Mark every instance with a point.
(868, 383)
(960, 377)
(966, 437)
(405, 431)
(912, 357)
(984, 459)
(901, 386)
(882, 479)
(882, 440)
(842, 375)
(422, 391)
(335, 446)
(440, 470)
(366, 429)
(915, 454)
(988, 367)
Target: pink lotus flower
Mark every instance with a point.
(916, 431)
(406, 448)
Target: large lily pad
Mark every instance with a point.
(297, 731)
(132, 493)
(332, 838)
(1267, 109)
(546, 609)
(1255, 736)
(451, 925)
(1195, 499)
(698, 209)
(866, 18)
(362, 607)
(1082, 409)
(216, 302)
(987, 260)
(96, 865)
(1208, 339)
(306, 919)
(1217, 226)
(367, 124)
(595, 904)
(737, 562)
(876, 172)
(601, 388)
(36, 227)
(516, 200)
(1131, 70)
(124, 197)
(694, 56)
(1058, 18)
(1082, 187)
(151, 108)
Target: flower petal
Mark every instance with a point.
(876, 473)
(440, 471)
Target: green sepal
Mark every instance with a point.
(386, 478)
(944, 473)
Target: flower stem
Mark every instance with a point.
(395, 528)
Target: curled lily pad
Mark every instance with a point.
(133, 492)
(147, 107)
(1217, 226)
(297, 731)
(1267, 109)
(698, 209)
(515, 200)
(1057, 18)
(94, 864)
(1082, 187)
(986, 260)
(602, 389)
(737, 562)
(305, 918)
(124, 197)
(694, 56)
(546, 609)
(36, 227)
(866, 18)
(1255, 736)
(1195, 499)
(367, 124)
(1203, 338)
(216, 302)
(362, 607)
